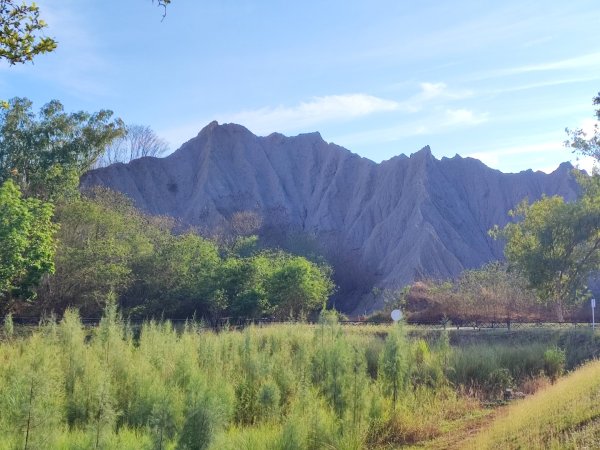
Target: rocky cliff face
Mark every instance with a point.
(379, 224)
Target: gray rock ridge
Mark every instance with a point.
(381, 225)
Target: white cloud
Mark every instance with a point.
(590, 60)
(429, 93)
(497, 157)
(432, 90)
(540, 84)
(464, 117)
(437, 122)
(78, 63)
(305, 116)
(586, 163)
(311, 113)
(578, 62)
(589, 127)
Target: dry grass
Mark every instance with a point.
(564, 415)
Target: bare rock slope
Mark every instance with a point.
(379, 224)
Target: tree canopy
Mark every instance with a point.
(26, 242)
(556, 245)
(21, 37)
(582, 142)
(21, 31)
(45, 154)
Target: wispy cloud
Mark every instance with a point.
(429, 101)
(432, 93)
(306, 116)
(439, 121)
(456, 117)
(495, 157)
(77, 64)
(539, 85)
(311, 113)
(587, 61)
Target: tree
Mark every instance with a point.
(494, 292)
(20, 35)
(137, 141)
(556, 245)
(46, 154)
(26, 242)
(21, 28)
(297, 285)
(100, 238)
(581, 142)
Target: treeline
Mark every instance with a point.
(60, 248)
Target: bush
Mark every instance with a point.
(554, 363)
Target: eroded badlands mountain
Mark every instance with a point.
(378, 224)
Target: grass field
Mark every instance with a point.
(289, 386)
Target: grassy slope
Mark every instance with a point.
(565, 415)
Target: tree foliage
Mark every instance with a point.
(107, 245)
(48, 152)
(21, 36)
(26, 242)
(21, 31)
(556, 245)
(582, 142)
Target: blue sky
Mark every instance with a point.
(498, 81)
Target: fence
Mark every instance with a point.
(235, 323)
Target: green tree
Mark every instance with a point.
(556, 245)
(178, 277)
(21, 31)
(101, 237)
(48, 152)
(581, 142)
(394, 363)
(20, 35)
(298, 285)
(27, 243)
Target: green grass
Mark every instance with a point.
(288, 386)
(278, 387)
(562, 416)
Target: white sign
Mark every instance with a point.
(593, 303)
(396, 315)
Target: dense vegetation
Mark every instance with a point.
(490, 293)
(283, 386)
(67, 249)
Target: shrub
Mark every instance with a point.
(554, 363)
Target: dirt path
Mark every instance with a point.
(458, 439)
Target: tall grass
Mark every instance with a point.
(288, 386)
(282, 387)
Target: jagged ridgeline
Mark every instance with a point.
(379, 225)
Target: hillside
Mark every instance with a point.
(564, 416)
(378, 224)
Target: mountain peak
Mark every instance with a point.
(380, 224)
(424, 153)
